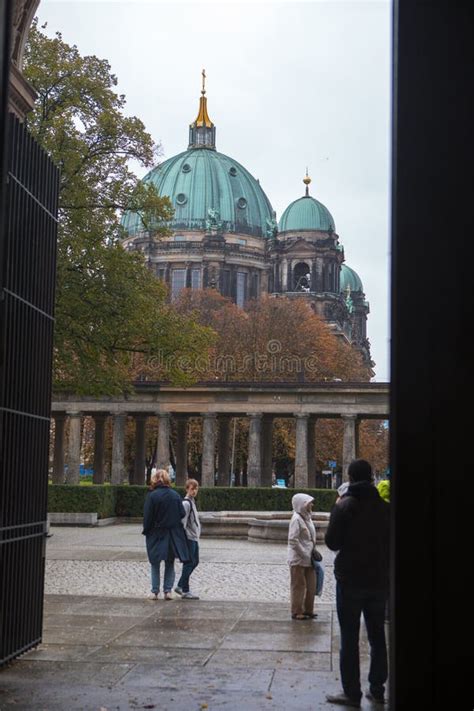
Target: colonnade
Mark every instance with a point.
(216, 433)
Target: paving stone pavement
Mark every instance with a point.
(106, 648)
(112, 561)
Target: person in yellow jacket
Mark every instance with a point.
(383, 487)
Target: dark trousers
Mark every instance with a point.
(188, 567)
(351, 603)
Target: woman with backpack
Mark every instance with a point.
(192, 529)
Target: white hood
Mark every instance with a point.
(300, 501)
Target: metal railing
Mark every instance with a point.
(28, 249)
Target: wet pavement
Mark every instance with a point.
(121, 651)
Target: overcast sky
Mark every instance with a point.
(290, 85)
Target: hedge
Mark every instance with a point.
(127, 501)
(65, 498)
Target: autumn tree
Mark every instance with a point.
(374, 444)
(108, 304)
(274, 340)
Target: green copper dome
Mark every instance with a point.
(350, 278)
(199, 180)
(306, 213)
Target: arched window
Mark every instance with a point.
(302, 277)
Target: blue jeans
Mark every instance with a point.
(188, 567)
(351, 603)
(168, 579)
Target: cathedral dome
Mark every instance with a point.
(201, 179)
(306, 213)
(350, 278)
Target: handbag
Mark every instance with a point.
(319, 570)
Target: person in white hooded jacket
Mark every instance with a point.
(301, 542)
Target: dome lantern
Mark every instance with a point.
(202, 132)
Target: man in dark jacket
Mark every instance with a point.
(359, 529)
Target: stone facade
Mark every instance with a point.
(21, 96)
(297, 265)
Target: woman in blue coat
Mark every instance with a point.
(165, 537)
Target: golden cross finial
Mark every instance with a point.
(203, 82)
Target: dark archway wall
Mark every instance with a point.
(431, 444)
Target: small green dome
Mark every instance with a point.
(350, 278)
(306, 213)
(200, 179)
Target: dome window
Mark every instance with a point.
(233, 171)
(242, 203)
(302, 277)
(186, 168)
(181, 199)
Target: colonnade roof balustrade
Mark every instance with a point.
(239, 399)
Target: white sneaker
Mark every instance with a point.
(189, 596)
(153, 596)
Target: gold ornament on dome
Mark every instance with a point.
(307, 181)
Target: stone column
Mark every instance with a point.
(267, 450)
(309, 262)
(274, 280)
(314, 278)
(99, 449)
(223, 451)
(74, 448)
(139, 473)
(181, 450)
(254, 465)
(208, 449)
(312, 452)
(301, 457)
(284, 274)
(289, 278)
(58, 456)
(319, 274)
(163, 444)
(117, 475)
(349, 447)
